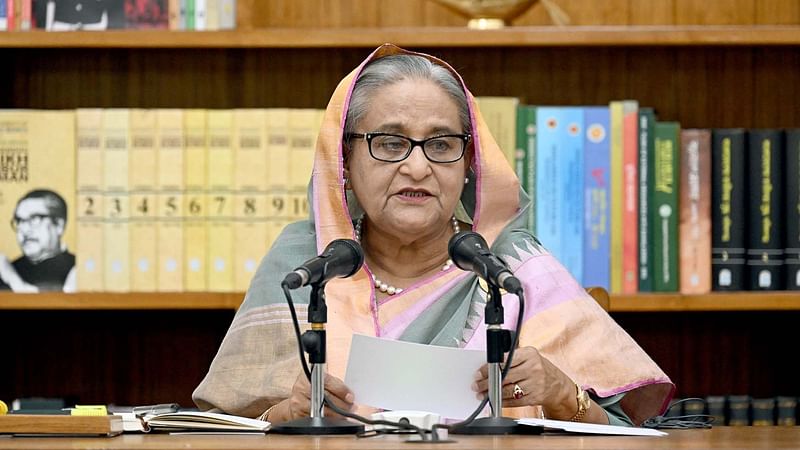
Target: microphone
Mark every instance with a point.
(341, 258)
(469, 251)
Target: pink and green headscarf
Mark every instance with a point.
(257, 363)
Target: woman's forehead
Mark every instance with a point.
(412, 104)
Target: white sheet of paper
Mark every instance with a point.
(398, 375)
(591, 428)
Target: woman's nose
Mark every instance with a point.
(417, 163)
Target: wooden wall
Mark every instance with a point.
(698, 86)
(720, 353)
(404, 13)
(145, 357)
(103, 357)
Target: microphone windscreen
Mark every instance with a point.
(463, 246)
(351, 248)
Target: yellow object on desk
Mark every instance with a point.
(3, 407)
(89, 410)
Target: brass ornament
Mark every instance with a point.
(495, 14)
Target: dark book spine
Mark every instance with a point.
(787, 411)
(694, 406)
(38, 403)
(728, 184)
(664, 206)
(675, 408)
(792, 180)
(738, 410)
(716, 409)
(763, 412)
(647, 137)
(765, 210)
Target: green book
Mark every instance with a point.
(526, 157)
(190, 15)
(664, 206)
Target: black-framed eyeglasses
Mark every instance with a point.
(387, 147)
(33, 221)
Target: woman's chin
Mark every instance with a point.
(414, 229)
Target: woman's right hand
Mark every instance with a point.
(298, 404)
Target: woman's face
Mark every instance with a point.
(415, 196)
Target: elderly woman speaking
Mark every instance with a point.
(404, 160)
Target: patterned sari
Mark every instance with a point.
(257, 363)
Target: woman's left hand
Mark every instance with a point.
(542, 383)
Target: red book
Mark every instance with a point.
(630, 206)
(11, 14)
(26, 15)
(694, 197)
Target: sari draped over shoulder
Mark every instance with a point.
(257, 363)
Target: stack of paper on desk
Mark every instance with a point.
(590, 428)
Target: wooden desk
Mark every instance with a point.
(722, 437)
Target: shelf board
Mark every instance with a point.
(734, 301)
(120, 301)
(718, 301)
(543, 36)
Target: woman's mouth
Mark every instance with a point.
(414, 195)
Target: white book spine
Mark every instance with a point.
(200, 15)
(227, 14)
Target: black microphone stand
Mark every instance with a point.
(314, 345)
(498, 341)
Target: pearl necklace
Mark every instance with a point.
(388, 288)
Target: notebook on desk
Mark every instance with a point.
(190, 421)
(204, 421)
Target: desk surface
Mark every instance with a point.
(722, 437)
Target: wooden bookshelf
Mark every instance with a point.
(637, 303)
(121, 301)
(709, 64)
(543, 36)
(728, 301)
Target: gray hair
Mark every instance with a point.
(394, 68)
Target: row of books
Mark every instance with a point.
(151, 199)
(70, 15)
(635, 204)
(622, 199)
(739, 410)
